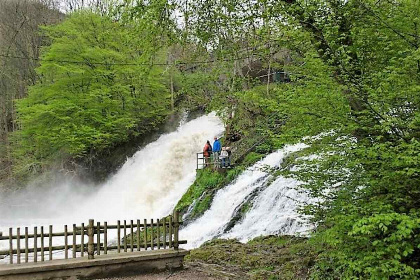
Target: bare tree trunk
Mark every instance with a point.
(172, 91)
(268, 76)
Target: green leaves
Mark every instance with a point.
(91, 95)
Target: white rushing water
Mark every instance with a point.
(273, 211)
(148, 185)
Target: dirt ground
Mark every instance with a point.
(191, 271)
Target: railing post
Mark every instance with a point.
(10, 245)
(176, 230)
(91, 230)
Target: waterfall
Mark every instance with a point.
(152, 181)
(148, 185)
(272, 212)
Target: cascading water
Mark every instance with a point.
(273, 210)
(148, 185)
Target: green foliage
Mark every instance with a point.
(206, 179)
(355, 77)
(101, 100)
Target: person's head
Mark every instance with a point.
(208, 142)
(215, 138)
(223, 149)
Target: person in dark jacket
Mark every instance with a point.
(217, 147)
(206, 152)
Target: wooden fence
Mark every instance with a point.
(136, 235)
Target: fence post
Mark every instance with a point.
(10, 245)
(91, 230)
(176, 229)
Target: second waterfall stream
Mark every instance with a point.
(273, 208)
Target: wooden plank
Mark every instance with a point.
(91, 247)
(158, 233)
(10, 246)
(170, 231)
(26, 245)
(131, 236)
(148, 245)
(105, 238)
(145, 234)
(82, 240)
(31, 250)
(151, 235)
(66, 247)
(42, 244)
(138, 235)
(176, 229)
(50, 245)
(78, 231)
(74, 241)
(118, 236)
(35, 244)
(125, 236)
(164, 233)
(98, 238)
(18, 246)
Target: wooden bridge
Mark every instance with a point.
(137, 247)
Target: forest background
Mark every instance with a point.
(80, 79)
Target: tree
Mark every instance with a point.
(96, 91)
(355, 72)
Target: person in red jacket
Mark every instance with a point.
(206, 152)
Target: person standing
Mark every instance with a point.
(217, 147)
(206, 152)
(223, 156)
(229, 153)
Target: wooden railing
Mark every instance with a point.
(140, 236)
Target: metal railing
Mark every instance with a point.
(211, 161)
(161, 234)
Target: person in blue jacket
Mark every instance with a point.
(217, 147)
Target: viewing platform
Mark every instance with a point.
(113, 264)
